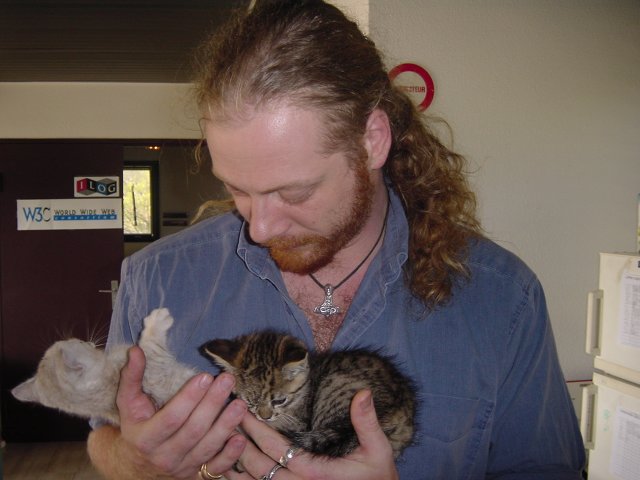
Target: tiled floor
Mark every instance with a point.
(48, 461)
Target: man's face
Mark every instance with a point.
(301, 203)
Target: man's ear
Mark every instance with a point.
(377, 138)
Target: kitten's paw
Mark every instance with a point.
(158, 321)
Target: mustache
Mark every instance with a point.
(288, 243)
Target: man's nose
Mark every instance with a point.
(267, 220)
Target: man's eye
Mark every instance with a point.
(293, 198)
(276, 402)
(234, 191)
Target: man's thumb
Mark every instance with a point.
(365, 422)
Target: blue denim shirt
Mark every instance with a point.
(492, 397)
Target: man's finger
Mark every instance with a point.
(133, 403)
(209, 423)
(365, 422)
(266, 438)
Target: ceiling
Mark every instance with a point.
(104, 40)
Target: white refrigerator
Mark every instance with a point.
(610, 417)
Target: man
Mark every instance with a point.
(354, 226)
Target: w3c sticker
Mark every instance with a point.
(36, 214)
(69, 214)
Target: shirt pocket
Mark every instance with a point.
(453, 436)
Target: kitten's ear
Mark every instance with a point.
(73, 358)
(294, 356)
(292, 350)
(26, 391)
(222, 352)
(293, 369)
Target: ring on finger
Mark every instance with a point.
(272, 472)
(205, 475)
(288, 455)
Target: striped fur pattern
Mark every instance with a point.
(307, 396)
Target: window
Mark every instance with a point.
(140, 201)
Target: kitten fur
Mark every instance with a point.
(76, 377)
(307, 396)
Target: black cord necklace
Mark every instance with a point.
(327, 308)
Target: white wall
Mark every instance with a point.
(544, 99)
(97, 110)
(358, 10)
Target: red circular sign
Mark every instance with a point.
(428, 88)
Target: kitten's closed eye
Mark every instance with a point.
(276, 402)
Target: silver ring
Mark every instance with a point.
(288, 455)
(273, 471)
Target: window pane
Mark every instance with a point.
(137, 201)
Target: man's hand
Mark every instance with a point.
(372, 460)
(194, 427)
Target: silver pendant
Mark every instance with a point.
(327, 308)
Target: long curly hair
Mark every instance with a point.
(307, 53)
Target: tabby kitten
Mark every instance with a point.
(76, 377)
(307, 396)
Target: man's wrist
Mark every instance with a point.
(112, 457)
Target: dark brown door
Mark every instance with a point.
(50, 280)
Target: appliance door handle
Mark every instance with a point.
(588, 416)
(594, 315)
(113, 291)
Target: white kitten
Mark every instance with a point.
(76, 377)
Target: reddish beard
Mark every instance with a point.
(308, 253)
